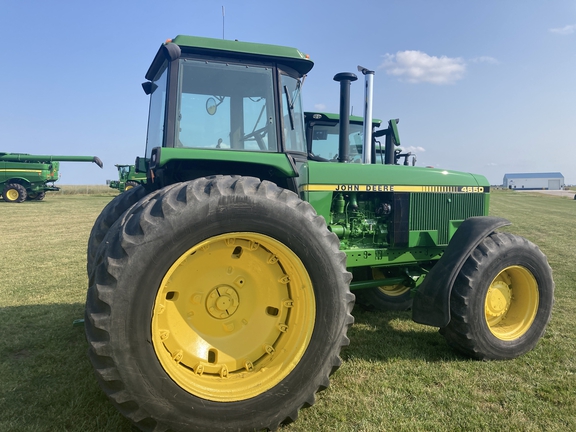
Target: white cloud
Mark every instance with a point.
(413, 149)
(484, 59)
(566, 30)
(319, 107)
(417, 67)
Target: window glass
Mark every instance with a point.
(293, 115)
(326, 140)
(154, 137)
(225, 106)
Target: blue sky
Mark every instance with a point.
(487, 86)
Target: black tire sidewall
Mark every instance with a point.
(509, 254)
(131, 315)
(107, 217)
(17, 187)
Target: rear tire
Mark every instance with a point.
(130, 185)
(218, 304)
(14, 193)
(502, 299)
(386, 297)
(110, 214)
(36, 196)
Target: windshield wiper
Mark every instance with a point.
(290, 107)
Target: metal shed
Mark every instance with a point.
(550, 181)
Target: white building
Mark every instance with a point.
(550, 181)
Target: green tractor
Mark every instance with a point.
(221, 291)
(128, 178)
(323, 136)
(28, 177)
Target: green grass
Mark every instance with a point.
(396, 374)
(102, 190)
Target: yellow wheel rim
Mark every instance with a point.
(389, 290)
(128, 187)
(233, 316)
(12, 194)
(511, 303)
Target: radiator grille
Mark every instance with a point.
(432, 211)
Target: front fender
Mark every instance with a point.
(431, 305)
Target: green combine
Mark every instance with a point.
(28, 177)
(221, 291)
(128, 178)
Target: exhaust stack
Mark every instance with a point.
(368, 97)
(344, 78)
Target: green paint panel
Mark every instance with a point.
(353, 174)
(379, 257)
(277, 160)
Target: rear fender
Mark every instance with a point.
(431, 305)
(20, 180)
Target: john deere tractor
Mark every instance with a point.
(28, 177)
(128, 178)
(221, 291)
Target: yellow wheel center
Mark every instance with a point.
(12, 194)
(511, 303)
(233, 316)
(498, 299)
(222, 302)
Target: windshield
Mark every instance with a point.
(325, 141)
(225, 106)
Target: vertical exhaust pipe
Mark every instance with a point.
(344, 78)
(368, 97)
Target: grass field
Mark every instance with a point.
(396, 375)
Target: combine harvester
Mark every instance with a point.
(24, 176)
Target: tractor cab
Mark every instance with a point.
(226, 100)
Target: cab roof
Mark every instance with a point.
(336, 118)
(291, 57)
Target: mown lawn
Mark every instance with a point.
(396, 375)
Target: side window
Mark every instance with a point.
(293, 115)
(155, 135)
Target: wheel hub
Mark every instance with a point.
(12, 195)
(222, 302)
(498, 299)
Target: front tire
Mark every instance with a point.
(502, 299)
(218, 304)
(14, 193)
